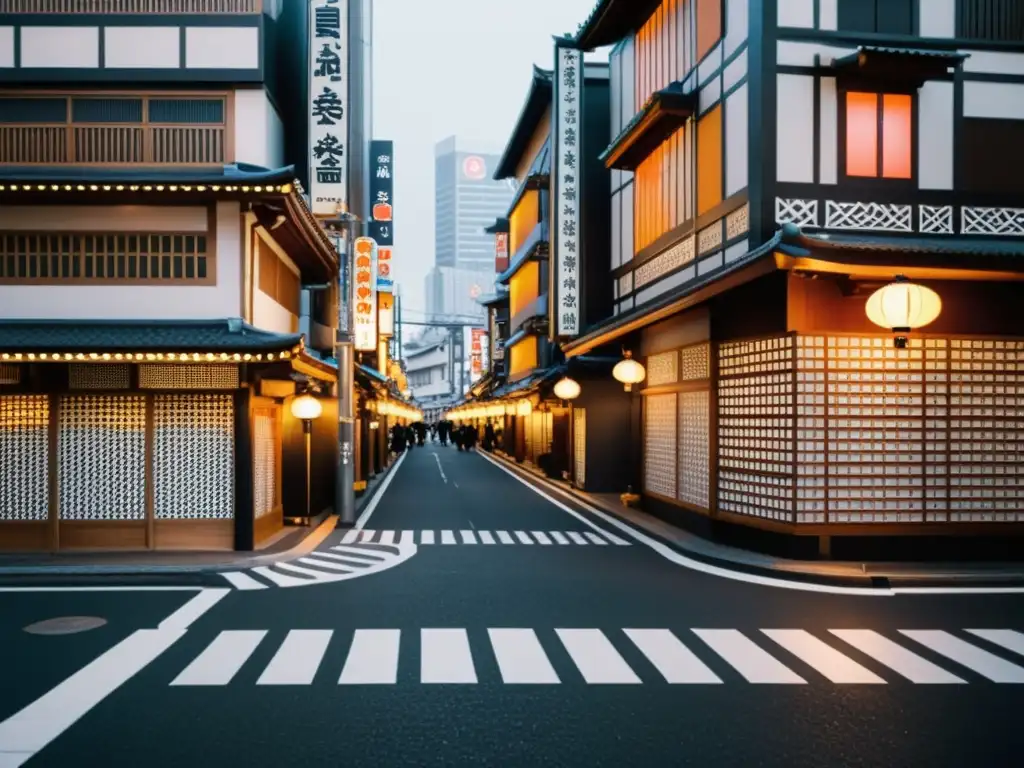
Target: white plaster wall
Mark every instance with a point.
(794, 132)
(937, 18)
(992, 63)
(266, 312)
(112, 218)
(737, 24)
(60, 47)
(132, 302)
(259, 133)
(142, 47)
(792, 54)
(222, 47)
(735, 71)
(828, 14)
(935, 136)
(994, 100)
(828, 132)
(6, 47)
(796, 13)
(736, 140)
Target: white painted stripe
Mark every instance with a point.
(100, 589)
(616, 540)
(445, 656)
(184, 617)
(753, 663)
(220, 660)
(447, 537)
(577, 539)
(308, 572)
(348, 560)
(28, 731)
(486, 537)
(559, 537)
(373, 658)
(315, 560)
(366, 536)
(986, 664)
(468, 537)
(822, 657)
(298, 658)
(279, 579)
(350, 536)
(1005, 638)
(379, 493)
(595, 538)
(242, 580)
(427, 537)
(521, 658)
(521, 535)
(895, 657)
(387, 537)
(676, 663)
(541, 537)
(505, 538)
(408, 537)
(595, 657)
(365, 556)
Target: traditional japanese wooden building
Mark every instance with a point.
(774, 164)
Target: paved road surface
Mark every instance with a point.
(497, 627)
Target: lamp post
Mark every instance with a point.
(629, 372)
(307, 408)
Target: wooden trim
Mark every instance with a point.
(229, 125)
(103, 534)
(885, 273)
(53, 472)
(211, 244)
(194, 534)
(150, 435)
(34, 536)
(693, 385)
(126, 7)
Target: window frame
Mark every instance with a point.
(879, 90)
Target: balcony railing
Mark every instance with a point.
(113, 144)
(132, 6)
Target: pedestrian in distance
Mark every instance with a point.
(397, 439)
(457, 436)
(489, 437)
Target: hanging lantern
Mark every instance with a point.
(524, 408)
(567, 389)
(902, 306)
(629, 371)
(306, 407)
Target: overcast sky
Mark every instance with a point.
(444, 67)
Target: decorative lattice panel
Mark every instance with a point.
(264, 451)
(709, 238)
(10, 374)
(737, 223)
(992, 221)
(99, 376)
(579, 431)
(660, 445)
(101, 457)
(755, 428)
(803, 213)
(879, 217)
(810, 425)
(663, 368)
(696, 362)
(694, 448)
(188, 376)
(678, 255)
(193, 457)
(935, 219)
(24, 457)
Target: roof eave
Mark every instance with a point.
(533, 108)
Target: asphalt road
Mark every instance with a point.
(565, 642)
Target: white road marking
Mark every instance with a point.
(577, 538)
(541, 537)
(279, 579)
(185, 616)
(595, 657)
(521, 658)
(447, 537)
(372, 506)
(504, 538)
(897, 658)
(676, 663)
(440, 468)
(822, 657)
(445, 656)
(486, 538)
(315, 559)
(986, 664)
(387, 537)
(559, 537)
(220, 660)
(298, 658)
(595, 538)
(28, 731)
(308, 572)
(753, 663)
(408, 537)
(427, 537)
(373, 658)
(366, 537)
(468, 537)
(242, 580)
(1005, 638)
(101, 589)
(350, 536)
(521, 535)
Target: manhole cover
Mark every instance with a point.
(65, 625)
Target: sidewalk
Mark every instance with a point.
(851, 574)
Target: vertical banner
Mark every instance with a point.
(385, 311)
(476, 349)
(500, 252)
(382, 197)
(365, 295)
(328, 106)
(565, 240)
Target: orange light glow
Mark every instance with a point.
(896, 132)
(862, 134)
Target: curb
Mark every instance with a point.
(977, 579)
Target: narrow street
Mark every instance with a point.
(529, 633)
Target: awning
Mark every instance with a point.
(500, 225)
(536, 246)
(612, 20)
(659, 118)
(907, 65)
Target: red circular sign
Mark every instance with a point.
(474, 292)
(474, 167)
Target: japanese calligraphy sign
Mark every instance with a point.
(565, 239)
(364, 294)
(328, 105)
(494, 345)
(500, 252)
(382, 210)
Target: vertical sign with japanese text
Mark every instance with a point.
(476, 350)
(382, 210)
(328, 106)
(568, 97)
(500, 252)
(364, 294)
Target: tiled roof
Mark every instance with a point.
(612, 20)
(238, 173)
(939, 246)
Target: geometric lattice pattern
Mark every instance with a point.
(992, 221)
(935, 219)
(694, 447)
(803, 213)
(696, 362)
(738, 222)
(880, 217)
(101, 457)
(99, 376)
(9, 374)
(675, 257)
(660, 445)
(579, 430)
(187, 376)
(709, 238)
(265, 444)
(193, 457)
(663, 368)
(24, 457)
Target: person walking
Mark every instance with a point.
(397, 439)
(471, 437)
(489, 437)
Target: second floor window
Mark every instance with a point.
(879, 135)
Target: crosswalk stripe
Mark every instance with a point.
(348, 560)
(467, 537)
(984, 663)
(427, 537)
(445, 657)
(521, 659)
(595, 657)
(298, 658)
(350, 535)
(1005, 638)
(387, 537)
(280, 579)
(577, 538)
(616, 540)
(408, 537)
(751, 661)
(822, 657)
(447, 537)
(676, 663)
(314, 559)
(373, 658)
(595, 538)
(220, 660)
(369, 557)
(504, 538)
(541, 537)
(521, 535)
(365, 535)
(242, 580)
(897, 658)
(486, 538)
(559, 537)
(309, 572)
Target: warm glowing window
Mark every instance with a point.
(524, 287)
(709, 161)
(661, 189)
(523, 356)
(659, 50)
(523, 219)
(878, 135)
(709, 25)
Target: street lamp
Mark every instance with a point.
(902, 306)
(628, 371)
(567, 389)
(307, 408)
